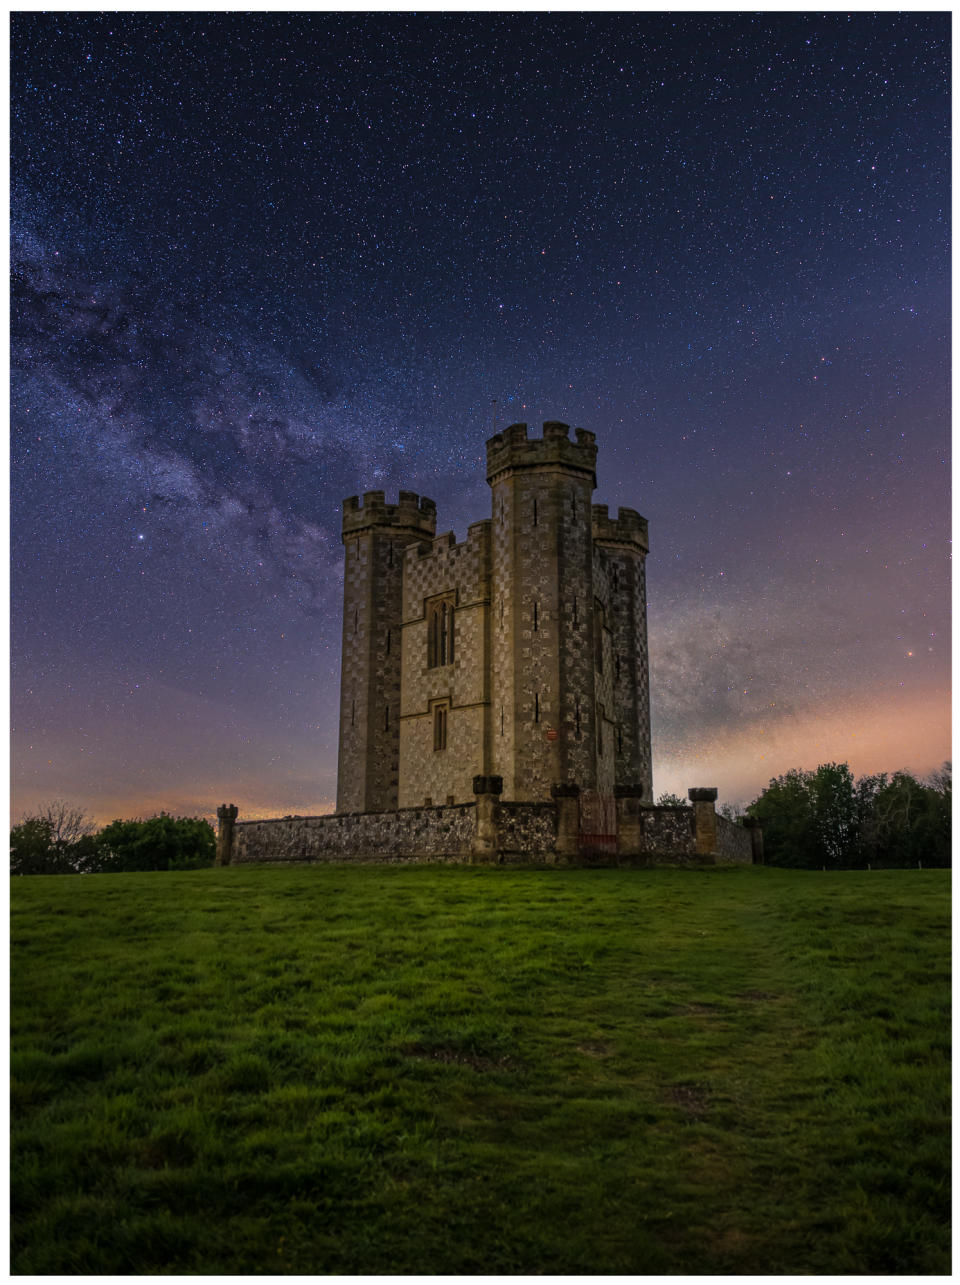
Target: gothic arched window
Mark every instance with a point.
(440, 632)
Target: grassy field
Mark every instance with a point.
(466, 1070)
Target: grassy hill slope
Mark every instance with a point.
(471, 1070)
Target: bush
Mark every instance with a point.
(160, 843)
(46, 843)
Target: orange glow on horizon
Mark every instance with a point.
(906, 733)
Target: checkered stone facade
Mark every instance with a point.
(547, 680)
(459, 574)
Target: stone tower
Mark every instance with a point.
(520, 654)
(544, 629)
(375, 535)
(623, 686)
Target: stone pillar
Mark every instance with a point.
(756, 838)
(629, 824)
(567, 796)
(704, 820)
(226, 815)
(488, 790)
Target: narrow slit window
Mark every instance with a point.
(534, 513)
(390, 555)
(386, 718)
(353, 713)
(536, 616)
(446, 634)
(501, 720)
(619, 740)
(388, 641)
(440, 727)
(536, 707)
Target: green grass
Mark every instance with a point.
(465, 1070)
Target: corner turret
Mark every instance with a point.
(628, 529)
(375, 535)
(414, 516)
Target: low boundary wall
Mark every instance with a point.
(490, 831)
(425, 834)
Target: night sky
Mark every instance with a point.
(266, 261)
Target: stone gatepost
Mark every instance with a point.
(629, 823)
(567, 796)
(226, 815)
(488, 790)
(704, 819)
(756, 838)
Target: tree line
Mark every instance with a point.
(827, 819)
(61, 839)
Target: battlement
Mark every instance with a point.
(413, 514)
(628, 528)
(478, 538)
(512, 449)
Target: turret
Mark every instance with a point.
(622, 545)
(375, 535)
(628, 529)
(413, 514)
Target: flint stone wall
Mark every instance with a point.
(668, 834)
(734, 844)
(527, 828)
(524, 832)
(410, 834)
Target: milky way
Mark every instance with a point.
(265, 261)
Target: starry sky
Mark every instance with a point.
(263, 261)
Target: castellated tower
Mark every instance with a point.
(375, 535)
(620, 548)
(519, 654)
(544, 633)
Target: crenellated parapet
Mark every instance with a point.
(441, 566)
(414, 516)
(512, 449)
(478, 537)
(628, 529)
